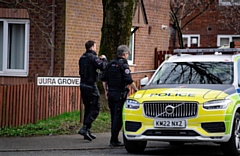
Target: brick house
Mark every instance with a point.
(26, 53)
(214, 27)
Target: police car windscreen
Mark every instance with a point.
(195, 73)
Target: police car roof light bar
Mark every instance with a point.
(201, 51)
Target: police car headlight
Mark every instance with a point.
(217, 104)
(131, 104)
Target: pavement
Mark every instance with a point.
(52, 142)
(59, 142)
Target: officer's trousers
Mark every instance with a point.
(91, 100)
(115, 103)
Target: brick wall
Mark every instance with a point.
(236, 44)
(84, 21)
(38, 49)
(152, 36)
(13, 13)
(209, 25)
(78, 21)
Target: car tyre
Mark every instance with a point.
(134, 146)
(232, 147)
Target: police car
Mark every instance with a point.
(192, 97)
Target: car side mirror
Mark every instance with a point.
(143, 81)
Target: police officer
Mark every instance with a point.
(89, 65)
(117, 76)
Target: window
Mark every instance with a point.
(194, 73)
(191, 40)
(131, 47)
(14, 43)
(223, 40)
(229, 2)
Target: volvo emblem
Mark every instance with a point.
(169, 109)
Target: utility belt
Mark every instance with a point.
(124, 92)
(88, 88)
(87, 82)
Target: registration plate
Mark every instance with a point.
(170, 123)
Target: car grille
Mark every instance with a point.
(170, 110)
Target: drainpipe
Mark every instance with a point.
(53, 38)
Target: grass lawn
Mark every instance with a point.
(66, 123)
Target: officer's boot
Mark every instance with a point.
(83, 131)
(91, 135)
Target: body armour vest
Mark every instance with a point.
(114, 75)
(87, 69)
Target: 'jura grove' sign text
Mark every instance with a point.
(58, 81)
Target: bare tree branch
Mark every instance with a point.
(40, 13)
(198, 14)
(183, 12)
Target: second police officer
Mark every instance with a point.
(117, 77)
(89, 64)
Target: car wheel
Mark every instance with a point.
(134, 146)
(232, 147)
(176, 143)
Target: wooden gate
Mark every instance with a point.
(160, 56)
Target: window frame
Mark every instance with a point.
(228, 3)
(225, 36)
(188, 36)
(15, 72)
(237, 70)
(130, 62)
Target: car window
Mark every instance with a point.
(194, 73)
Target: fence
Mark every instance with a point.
(27, 103)
(16, 104)
(160, 56)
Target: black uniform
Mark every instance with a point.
(89, 62)
(117, 76)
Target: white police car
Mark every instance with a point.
(192, 97)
